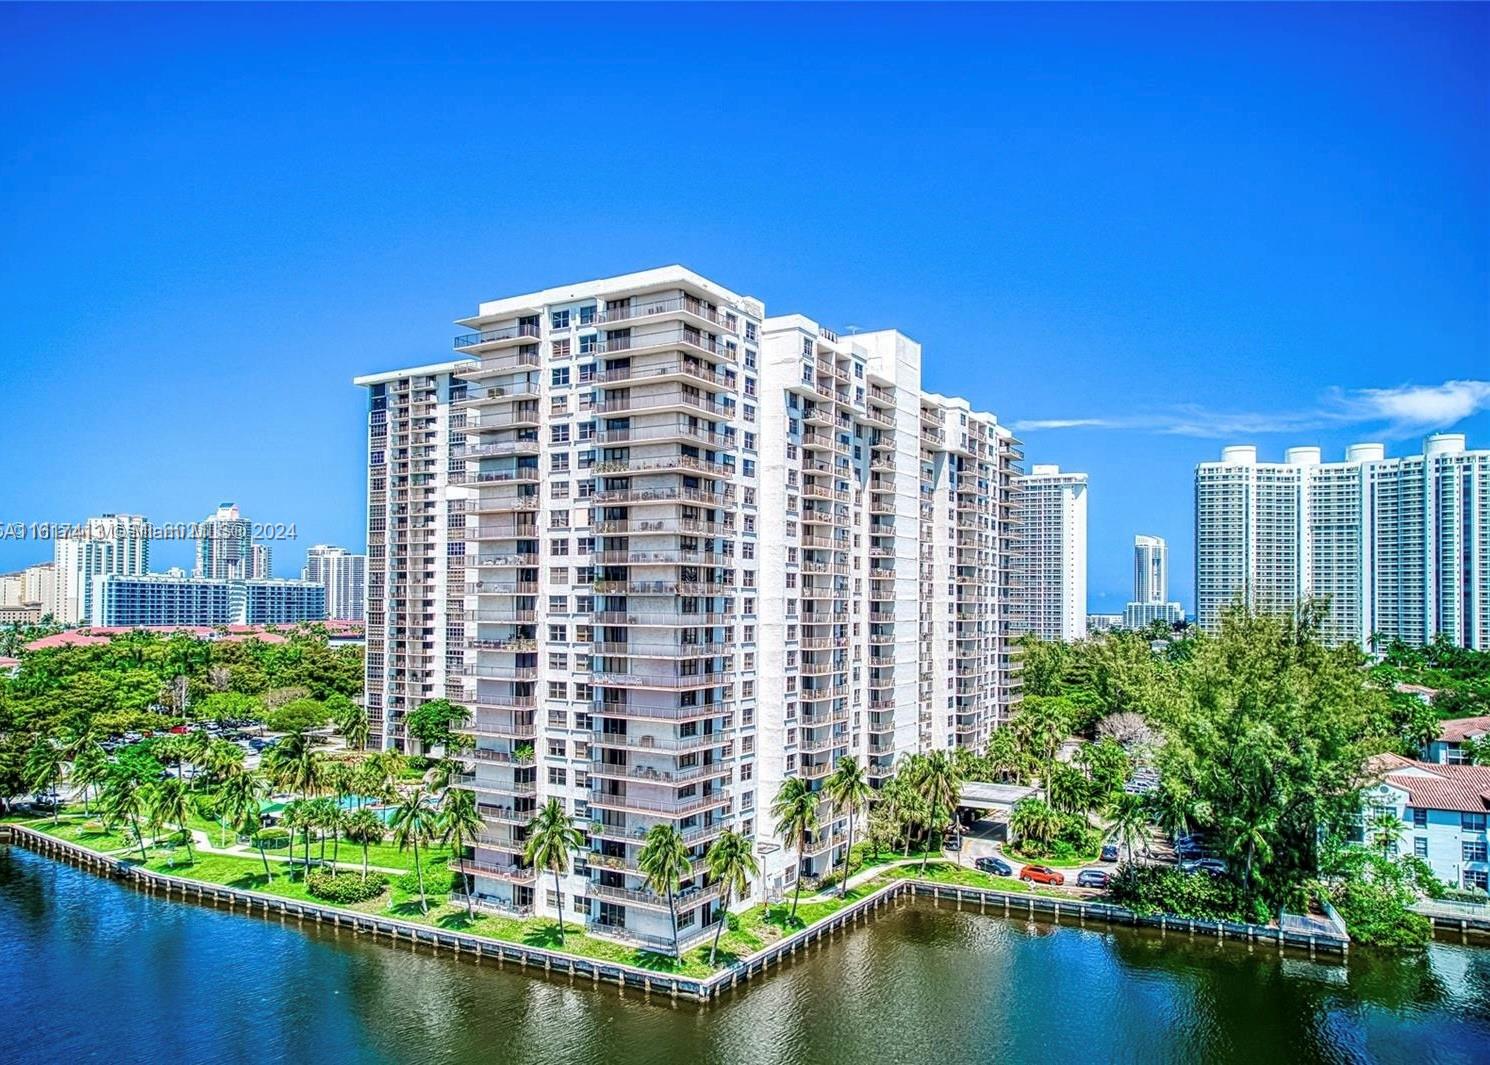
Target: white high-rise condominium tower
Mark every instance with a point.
(1052, 553)
(341, 573)
(687, 552)
(262, 567)
(111, 543)
(1150, 585)
(225, 548)
(1398, 547)
(416, 544)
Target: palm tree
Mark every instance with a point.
(1034, 820)
(1068, 790)
(795, 812)
(849, 790)
(936, 779)
(169, 804)
(262, 840)
(1042, 723)
(365, 828)
(298, 814)
(552, 838)
(1129, 816)
(664, 860)
(413, 823)
(237, 800)
(223, 759)
(43, 770)
(121, 801)
(325, 818)
(298, 767)
(460, 825)
(196, 746)
(355, 726)
(1252, 839)
(90, 768)
(1386, 831)
(731, 865)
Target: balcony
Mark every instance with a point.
(495, 338)
(511, 874)
(672, 399)
(683, 370)
(671, 744)
(663, 495)
(660, 681)
(634, 712)
(647, 775)
(684, 899)
(672, 807)
(664, 340)
(644, 308)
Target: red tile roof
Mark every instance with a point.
(1462, 728)
(65, 639)
(1465, 788)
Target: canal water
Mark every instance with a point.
(93, 971)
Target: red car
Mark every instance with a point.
(1041, 874)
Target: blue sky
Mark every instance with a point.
(1179, 227)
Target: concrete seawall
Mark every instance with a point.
(480, 948)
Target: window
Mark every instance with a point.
(587, 315)
(558, 777)
(1472, 822)
(558, 377)
(1419, 817)
(1474, 850)
(1420, 846)
(560, 320)
(1476, 879)
(561, 348)
(559, 434)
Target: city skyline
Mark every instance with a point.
(1150, 301)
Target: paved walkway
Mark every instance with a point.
(202, 841)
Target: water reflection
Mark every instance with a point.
(922, 985)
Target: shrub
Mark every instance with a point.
(272, 838)
(438, 880)
(345, 887)
(1151, 889)
(1375, 913)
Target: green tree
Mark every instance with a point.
(90, 769)
(414, 822)
(169, 803)
(123, 802)
(460, 826)
(365, 828)
(848, 790)
(795, 812)
(265, 838)
(731, 864)
(433, 723)
(354, 725)
(237, 801)
(1128, 817)
(552, 839)
(43, 770)
(1033, 821)
(664, 861)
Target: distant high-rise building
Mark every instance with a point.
(225, 545)
(262, 567)
(157, 599)
(1398, 547)
(1052, 553)
(1150, 586)
(342, 574)
(111, 543)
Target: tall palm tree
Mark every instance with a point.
(43, 770)
(1386, 831)
(90, 768)
(1042, 723)
(195, 746)
(122, 802)
(168, 804)
(298, 767)
(664, 860)
(413, 823)
(1034, 820)
(365, 828)
(237, 801)
(355, 727)
(298, 816)
(552, 838)
(937, 780)
(795, 812)
(1252, 840)
(849, 790)
(460, 825)
(222, 760)
(1128, 818)
(731, 865)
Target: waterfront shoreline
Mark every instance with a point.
(703, 990)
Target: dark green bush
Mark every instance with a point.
(1152, 889)
(345, 887)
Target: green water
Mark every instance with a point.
(96, 972)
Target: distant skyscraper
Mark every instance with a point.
(1399, 547)
(262, 567)
(225, 545)
(1150, 585)
(342, 574)
(111, 543)
(1052, 550)
(158, 599)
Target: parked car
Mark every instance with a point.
(953, 841)
(1041, 874)
(1210, 866)
(1096, 878)
(1109, 852)
(996, 866)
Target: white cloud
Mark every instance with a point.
(1395, 412)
